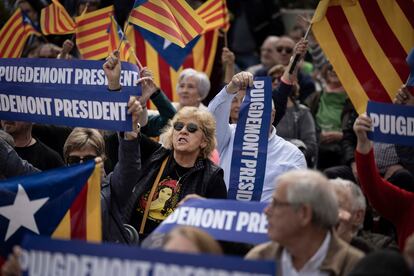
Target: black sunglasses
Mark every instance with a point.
(77, 159)
(276, 78)
(288, 50)
(191, 127)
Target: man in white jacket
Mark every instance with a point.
(282, 156)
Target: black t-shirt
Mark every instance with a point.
(165, 199)
(40, 156)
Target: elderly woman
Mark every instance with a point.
(82, 145)
(181, 165)
(192, 88)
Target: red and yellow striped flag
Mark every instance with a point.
(367, 42)
(173, 20)
(54, 19)
(14, 34)
(201, 58)
(92, 37)
(215, 14)
(83, 220)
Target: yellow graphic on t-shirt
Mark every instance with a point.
(158, 208)
(163, 202)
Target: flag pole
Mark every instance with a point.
(137, 60)
(133, 50)
(297, 56)
(125, 30)
(73, 38)
(226, 42)
(123, 36)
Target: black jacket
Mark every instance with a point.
(130, 181)
(349, 139)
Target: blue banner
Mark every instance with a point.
(226, 220)
(42, 256)
(65, 92)
(59, 74)
(248, 162)
(392, 123)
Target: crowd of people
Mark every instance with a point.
(338, 203)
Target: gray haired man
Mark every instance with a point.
(302, 216)
(352, 208)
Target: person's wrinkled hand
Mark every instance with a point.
(240, 81)
(301, 47)
(404, 96)
(66, 48)
(362, 125)
(227, 57)
(135, 109)
(112, 69)
(147, 84)
(12, 266)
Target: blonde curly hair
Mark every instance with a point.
(205, 121)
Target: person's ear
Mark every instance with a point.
(203, 144)
(359, 216)
(272, 116)
(305, 212)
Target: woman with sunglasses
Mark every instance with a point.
(182, 164)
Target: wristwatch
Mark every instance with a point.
(130, 135)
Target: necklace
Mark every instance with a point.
(179, 176)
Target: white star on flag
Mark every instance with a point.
(166, 44)
(21, 213)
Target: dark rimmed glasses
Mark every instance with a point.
(191, 127)
(278, 203)
(79, 159)
(288, 50)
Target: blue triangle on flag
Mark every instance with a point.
(38, 202)
(27, 20)
(173, 54)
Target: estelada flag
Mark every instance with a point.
(61, 203)
(173, 20)
(201, 58)
(173, 54)
(54, 19)
(115, 35)
(14, 34)
(215, 14)
(92, 37)
(367, 42)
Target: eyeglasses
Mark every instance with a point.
(77, 159)
(277, 203)
(288, 50)
(191, 127)
(278, 78)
